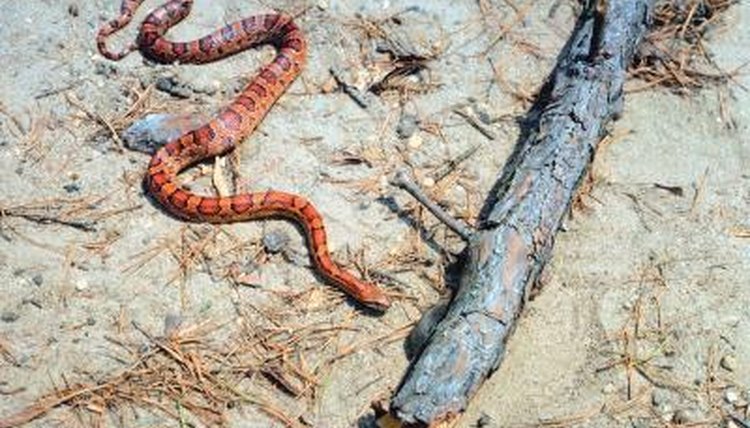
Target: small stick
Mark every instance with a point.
(740, 421)
(403, 180)
(475, 123)
(98, 118)
(441, 172)
(84, 225)
(348, 89)
(55, 91)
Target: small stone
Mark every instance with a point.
(687, 416)
(172, 323)
(415, 141)
(659, 397)
(731, 395)
(105, 68)
(38, 279)
(731, 424)
(666, 413)
(729, 362)
(73, 10)
(9, 316)
(484, 421)
(480, 111)
(172, 86)
(407, 125)
(82, 285)
(275, 241)
(208, 88)
(91, 321)
(428, 182)
(307, 418)
(322, 4)
(72, 187)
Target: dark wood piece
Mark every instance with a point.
(525, 209)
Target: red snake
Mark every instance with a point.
(233, 123)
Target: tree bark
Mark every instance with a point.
(524, 210)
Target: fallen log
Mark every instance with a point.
(526, 207)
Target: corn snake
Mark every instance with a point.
(234, 122)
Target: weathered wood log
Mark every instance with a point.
(524, 211)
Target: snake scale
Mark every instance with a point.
(233, 123)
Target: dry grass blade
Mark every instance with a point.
(181, 371)
(6, 352)
(673, 54)
(79, 213)
(96, 117)
(197, 374)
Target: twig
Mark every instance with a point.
(440, 173)
(475, 123)
(353, 92)
(86, 226)
(98, 118)
(403, 181)
(739, 421)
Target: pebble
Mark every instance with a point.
(9, 316)
(729, 362)
(666, 412)
(82, 285)
(72, 187)
(38, 279)
(481, 113)
(73, 10)
(609, 388)
(307, 418)
(731, 395)
(687, 416)
(660, 401)
(105, 68)
(171, 86)
(207, 88)
(659, 397)
(275, 241)
(407, 125)
(415, 141)
(484, 421)
(172, 323)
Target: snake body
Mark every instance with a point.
(234, 122)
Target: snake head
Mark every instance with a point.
(375, 299)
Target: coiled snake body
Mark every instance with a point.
(231, 125)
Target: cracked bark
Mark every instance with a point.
(524, 210)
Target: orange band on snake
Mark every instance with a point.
(231, 125)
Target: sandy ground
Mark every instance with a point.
(643, 320)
